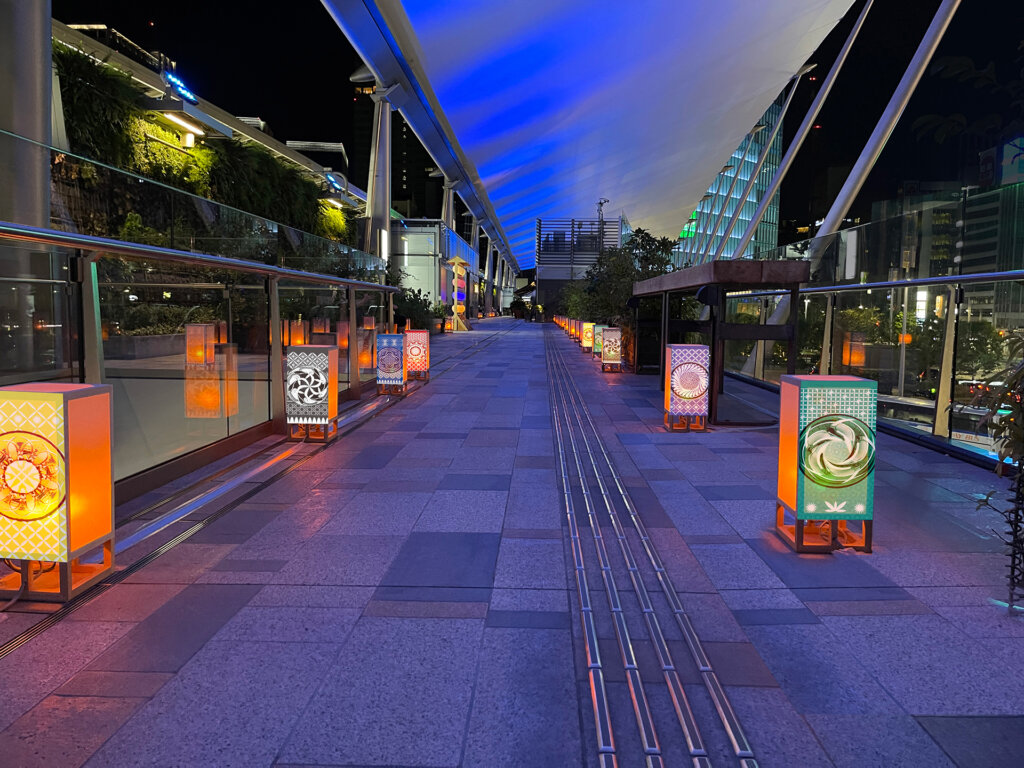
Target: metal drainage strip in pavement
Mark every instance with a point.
(571, 418)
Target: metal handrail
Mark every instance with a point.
(976, 277)
(26, 233)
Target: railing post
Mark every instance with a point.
(942, 425)
(276, 357)
(825, 364)
(92, 323)
(353, 345)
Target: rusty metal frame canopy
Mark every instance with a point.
(544, 106)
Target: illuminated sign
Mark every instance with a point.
(826, 460)
(311, 385)
(587, 337)
(391, 366)
(180, 88)
(611, 349)
(56, 485)
(417, 354)
(598, 339)
(687, 380)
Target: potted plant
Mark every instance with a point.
(438, 312)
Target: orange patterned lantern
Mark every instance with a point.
(200, 339)
(56, 488)
(417, 354)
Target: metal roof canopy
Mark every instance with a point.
(369, 33)
(546, 105)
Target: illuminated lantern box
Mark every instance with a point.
(56, 488)
(687, 380)
(587, 337)
(391, 365)
(611, 349)
(598, 340)
(311, 392)
(448, 324)
(574, 329)
(826, 462)
(211, 373)
(417, 354)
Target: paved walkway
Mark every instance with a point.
(407, 597)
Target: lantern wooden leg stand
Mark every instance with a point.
(677, 423)
(56, 490)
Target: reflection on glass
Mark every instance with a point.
(185, 350)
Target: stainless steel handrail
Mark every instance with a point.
(975, 277)
(26, 233)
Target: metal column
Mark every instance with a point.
(276, 357)
(378, 191)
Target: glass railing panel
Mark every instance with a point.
(314, 314)
(38, 315)
(371, 318)
(96, 199)
(990, 314)
(186, 352)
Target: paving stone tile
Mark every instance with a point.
(474, 482)
(236, 701)
(495, 459)
(891, 740)
(855, 594)
(289, 624)
(528, 619)
(341, 560)
(271, 566)
(114, 685)
(128, 602)
(750, 518)
(909, 568)
(530, 564)
(312, 596)
(289, 487)
(525, 708)
(381, 513)
(166, 640)
(988, 621)
(424, 609)
(735, 566)
(721, 492)
(64, 730)
(868, 607)
(430, 559)
(712, 618)
(34, 670)
(529, 600)
(759, 616)
(978, 742)
(839, 569)
(920, 659)
(466, 511)
(738, 664)
(531, 533)
(434, 594)
(747, 599)
(181, 565)
(815, 676)
(686, 572)
(412, 713)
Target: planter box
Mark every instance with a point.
(436, 325)
(139, 347)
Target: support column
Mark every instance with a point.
(276, 358)
(448, 205)
(378, 191)
(353, 345)
(25, 93)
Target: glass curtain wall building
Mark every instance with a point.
(701, 236)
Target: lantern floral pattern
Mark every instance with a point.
(31, 476)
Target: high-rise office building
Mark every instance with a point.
(701, 236)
